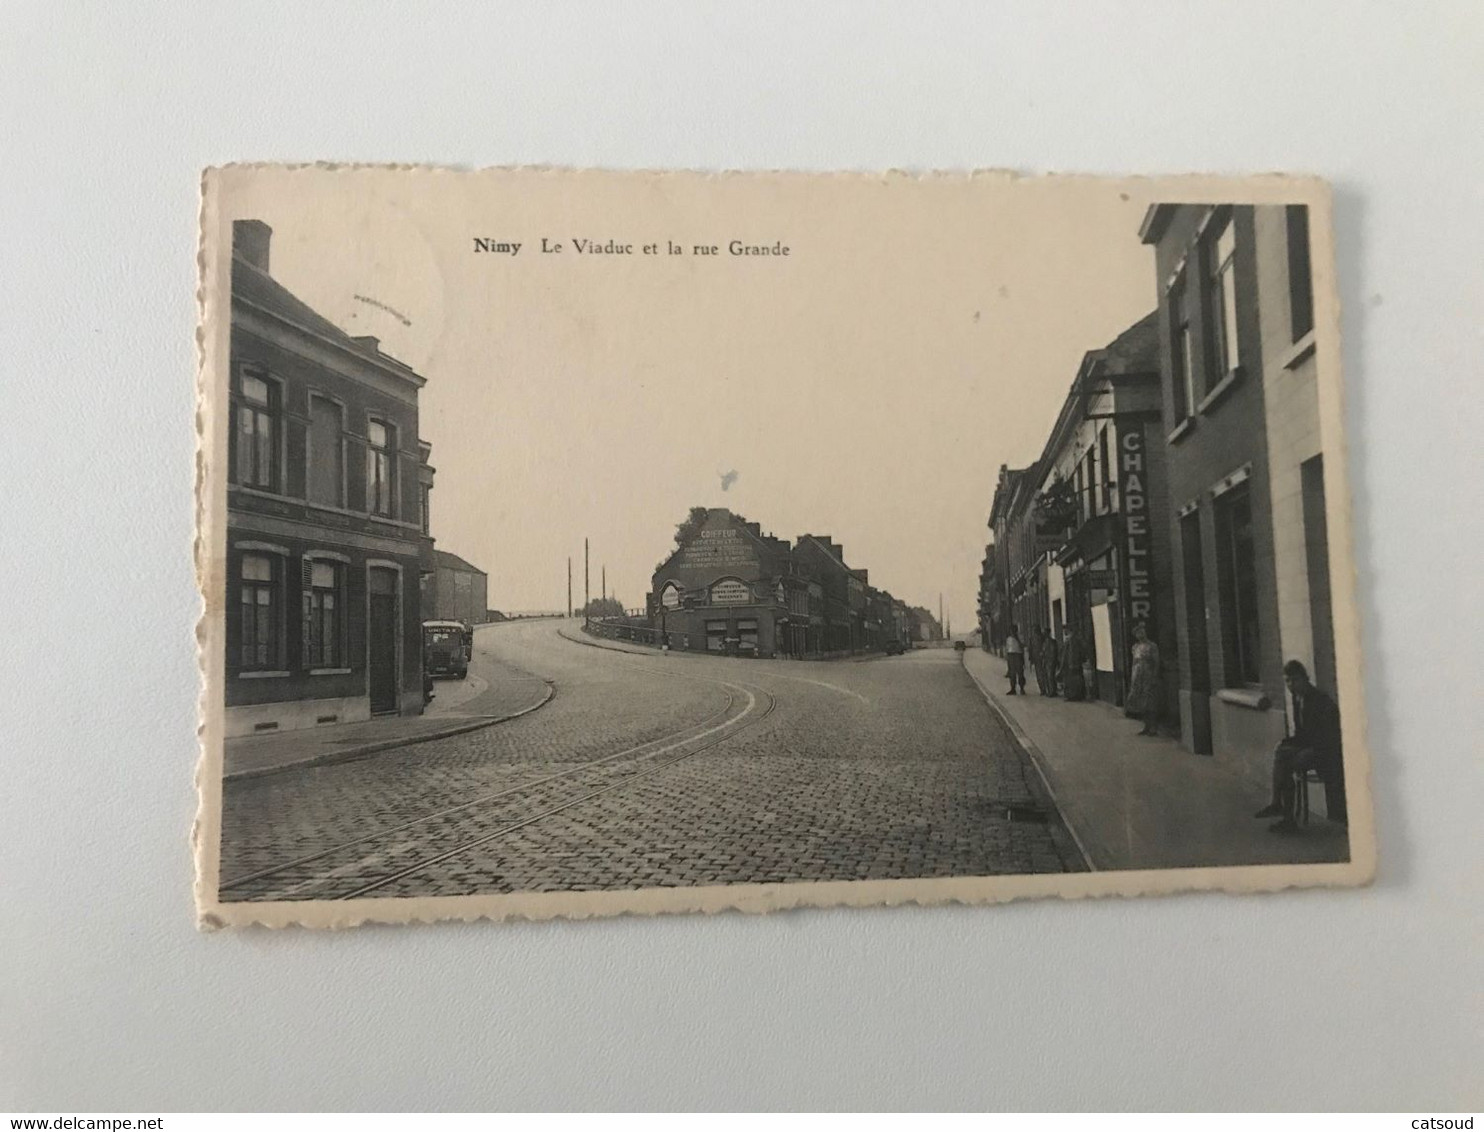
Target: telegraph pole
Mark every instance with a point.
(569, 585)
(605, 581)
(587, 588)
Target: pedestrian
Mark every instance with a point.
(1313, 745)
(1015, 658)
(1143, 685)
(1038, 658)
(1073, 685)
(1053, 664)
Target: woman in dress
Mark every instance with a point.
(1143, 684)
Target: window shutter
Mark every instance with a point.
(306, 573)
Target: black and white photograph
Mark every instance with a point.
(579, 543)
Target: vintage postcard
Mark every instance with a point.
(582, 543)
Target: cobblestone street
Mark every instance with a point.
(661, 770)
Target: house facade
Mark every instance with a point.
(326, 536)
(1240, 417)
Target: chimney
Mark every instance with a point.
(250, 240)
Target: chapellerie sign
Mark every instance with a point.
(1134, 493)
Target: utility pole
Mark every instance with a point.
(605, 581)
(569, 585)
(587, 587)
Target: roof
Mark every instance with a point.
(1137, 348)
(454, 562)
(257, 288)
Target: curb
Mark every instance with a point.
(1062, 829)
(350, 754)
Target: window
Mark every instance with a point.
(1105, 472)
(324, 614)
(1237, 566)
(1221, 300)
(259, 609)
(1300, 272)
(1182, 372)
(747, 634)
(256, 434)
(325, 467)
(381, 468)
(1089, 480)
(716, 636)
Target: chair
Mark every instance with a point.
(1302, 780)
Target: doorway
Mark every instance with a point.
(381, 640)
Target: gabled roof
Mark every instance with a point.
(454, 562)
(256, 288)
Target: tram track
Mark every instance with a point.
(362, 865)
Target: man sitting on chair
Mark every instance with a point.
(1314, 745)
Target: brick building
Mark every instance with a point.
(729, 588)
(326, 532)
(1245, 467)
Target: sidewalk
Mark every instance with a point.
(496, 693)
(1135, 802)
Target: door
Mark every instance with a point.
(381, 640)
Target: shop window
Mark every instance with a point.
(747, 634)
(1300, 272)
(716, 636)
(324, 614)
(381, 468)
(260, 613)
(1221, 300)
(255, 433)
(1237, 574)
(326, 478)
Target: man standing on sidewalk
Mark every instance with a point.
(1015, 657)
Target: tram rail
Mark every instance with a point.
(383, 856)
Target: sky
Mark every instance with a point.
(868, 386)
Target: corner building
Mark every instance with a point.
(326, 509)
(730, 589)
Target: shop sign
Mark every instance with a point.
(1100, 579)
(730, 591)
(1133, 492)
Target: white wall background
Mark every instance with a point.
(110, 1000)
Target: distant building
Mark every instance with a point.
(729, 588)
(459, 591)
(326, 538)
(1246, 469)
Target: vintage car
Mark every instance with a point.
(895, 648)
(445, 649)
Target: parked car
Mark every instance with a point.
(444, 650)
(895, 648)
(959, 646)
